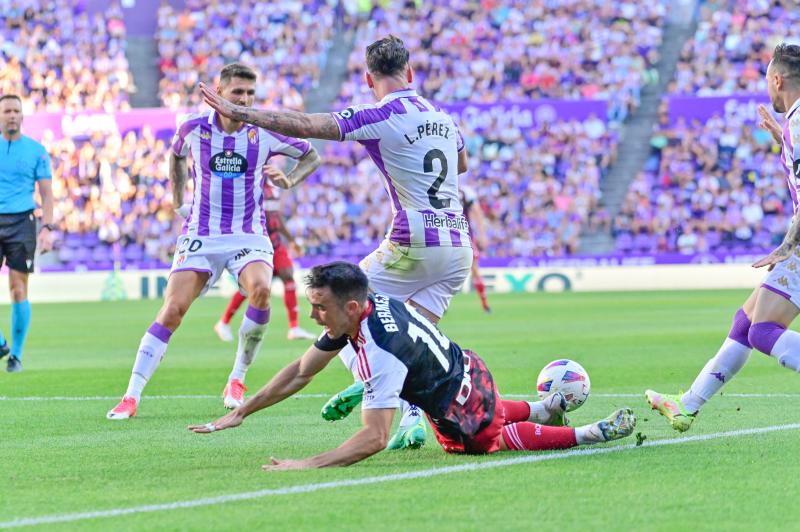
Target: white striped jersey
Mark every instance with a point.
(790, 151)
(227, 171)
(415, 146)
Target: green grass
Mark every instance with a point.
(60, 457)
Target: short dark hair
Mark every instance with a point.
(11, 97)
(387, 56)
(345, 280)
(236, 70)
(786, 58)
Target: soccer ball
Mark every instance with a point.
(565, 376)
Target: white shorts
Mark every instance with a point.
(213, 254)
(429, 276)
(784, 279)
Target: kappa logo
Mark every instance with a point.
(783, 281)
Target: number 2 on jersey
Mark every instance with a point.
(427, 167)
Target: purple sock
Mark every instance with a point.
(740, 328)
(260, 316)
(160, 332)
(763, 335)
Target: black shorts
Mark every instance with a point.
(18, 240)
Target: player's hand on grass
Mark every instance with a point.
(277, 177)
(217, 102)
(285, 465)
(769, 123)
(779, 255)
(228, 421)
(44, 241)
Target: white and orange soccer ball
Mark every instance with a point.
(565, 376)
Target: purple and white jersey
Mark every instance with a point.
(415, 146)
(790, 152)
(227, 171)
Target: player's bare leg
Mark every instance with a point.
(480, 288)
(255, 279)
(286, 275)
(680, 411)
(182, 289)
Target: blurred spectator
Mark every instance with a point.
(732, 46)
(61, 58)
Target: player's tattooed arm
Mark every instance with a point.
(285, 122)
(305, 167)
(786, 249)
(178, 171)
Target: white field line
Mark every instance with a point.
(424, 473)
(327, 395)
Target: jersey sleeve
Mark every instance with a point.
(288, 146)
(383, 376)
(459, 139)
(326, 343)
(360, 121)
(43, 168)
(794, 132)
(180, 141)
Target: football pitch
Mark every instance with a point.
(63, 466)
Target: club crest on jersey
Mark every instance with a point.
(228, 165)
(252, 136)
(205, 135)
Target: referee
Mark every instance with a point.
(23, 162)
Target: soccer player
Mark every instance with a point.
(419, 151)
(763, 320)
(474, 213)
(24, 165)
(402, 355)
(284, 269)
(225, 228)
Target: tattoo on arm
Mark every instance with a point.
(792, 238)
(291, 123)
(178, 171)
(304, 167)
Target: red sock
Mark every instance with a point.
(534, 437)
(516, 411)
(236, 301)
(290, 300)
(481, 289)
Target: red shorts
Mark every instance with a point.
(281, 260)
(474, 421)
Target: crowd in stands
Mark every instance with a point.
(513, 50)
(285, 40)
(60, 57)
(717, 186)
(731, 48)
(112, 200)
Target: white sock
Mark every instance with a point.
(588, 434)
(717, 372)
(251, 334)
(411, 415)
(148, 357)
(539, 413)
(787, 350)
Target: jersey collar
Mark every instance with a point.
(364, 315)
(213, 119)
(399, 93)
(793, 108)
